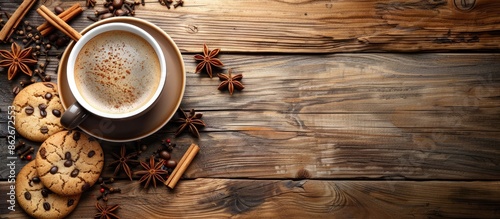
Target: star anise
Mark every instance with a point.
(123, 160)
(192, 120)
(16, 60)
(151, 172)
(207, 60)
(230, 82)
(106, 212)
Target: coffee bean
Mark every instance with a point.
(68, 163)
(48, 96)
(67, 155)
(29, 110)
(56, 113)
(48, 85)
(27, 195)
(36, 180)
(43, 153)
(46, 206)
(44, 129)
(42, 107)
(117, 4)
(54, 169)
(45, 192)
(120, 12)
(86, 186)
(70, 202)
(62, 41)
(74, 173)
(171, 164)
(165, 155)
(58, 9)
(76, 136)
(43, 113)
(91, 153)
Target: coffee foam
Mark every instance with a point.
(117, 72)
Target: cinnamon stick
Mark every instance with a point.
(58, 23)
(14, 20)
(182, 166)
(66, 15)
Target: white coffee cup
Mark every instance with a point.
(114, 71)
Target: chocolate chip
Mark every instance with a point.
(42, 107)
(91, 153)
(71, 202)
(43, 113)
(56, 113)
(27, 195)
(16, 90)
(54, 169)
(43, 153)
(68, 163)
(45, 192)
(44, 129)
(76, 136)
(48, 85)
(29, 110)
(67, 155)
(48, 96)
(74, 173)
(36, 180)
(46, 206)
(85, 186)
(91, 138)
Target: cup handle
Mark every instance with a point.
(73, 116)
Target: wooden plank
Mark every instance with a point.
(320, 26)
(415, 116)
(224, 198)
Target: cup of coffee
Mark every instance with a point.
(114, 71)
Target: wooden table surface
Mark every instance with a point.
(351, 109)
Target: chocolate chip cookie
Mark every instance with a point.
(37, 200)
(37, 111)
(69, 162)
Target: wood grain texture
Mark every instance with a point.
(222, 198)
(381, 116)
(320, 26)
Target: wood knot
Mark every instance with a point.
(303, 174)
(464, 5)
(192, 29)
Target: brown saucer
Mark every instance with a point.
(155, 118)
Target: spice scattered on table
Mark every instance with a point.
(17, 60)
(106, 212)
(182, 166)
(90, 3)
(168, 3)
(191, 120)
(113, 8)
(152, 172)
(106, 188)
(123, 161)
(230, 82)
(65, 15)
(208, 59)
(15, 19)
